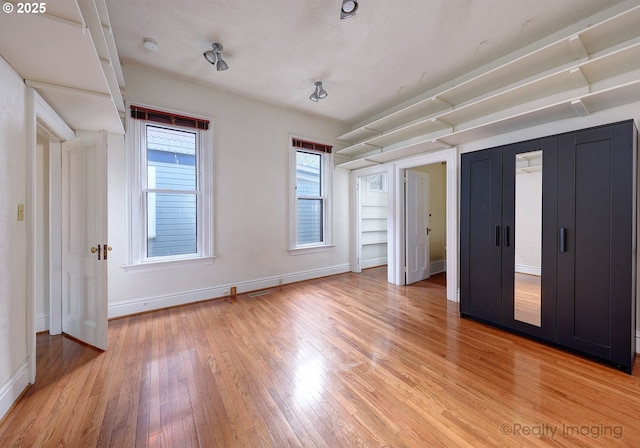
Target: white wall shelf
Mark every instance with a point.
(591, 66)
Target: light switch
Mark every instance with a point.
(20, 212)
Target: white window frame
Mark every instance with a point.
(136, 174)
(327, 195)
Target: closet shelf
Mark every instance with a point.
(371, 243)
(591, 66)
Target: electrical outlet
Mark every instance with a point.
(232, 291)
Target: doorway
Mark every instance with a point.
(446, 166)
(372, 239)
(447, 260)
(45, 279)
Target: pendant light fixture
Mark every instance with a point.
(319, 93)
(215, 58)
(348, 9)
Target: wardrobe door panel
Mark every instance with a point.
(595, 214)
(481, 235)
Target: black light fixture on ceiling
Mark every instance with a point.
(215, 58)
(348, 9)
(319, 93)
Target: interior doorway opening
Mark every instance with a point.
(445, 258)
(425, 221)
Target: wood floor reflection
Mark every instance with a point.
(343, 361)
(527, 298)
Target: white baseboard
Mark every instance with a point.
(531, 270)
(135, 306)
(12, 389)
(637, 341)
(373, 262)
(437, 266)
(42, 322)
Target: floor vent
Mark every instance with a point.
(259, 293)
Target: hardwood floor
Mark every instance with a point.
(343, 361)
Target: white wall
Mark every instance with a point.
(528, 229)
(13, 237)
(438, 210)
(251, 141)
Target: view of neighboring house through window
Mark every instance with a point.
(310, 210)
(170, 170)
(171, 193)
(310, 197)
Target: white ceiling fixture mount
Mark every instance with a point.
(149, 44)
(319, 93)
(215, 58)
(348, 9)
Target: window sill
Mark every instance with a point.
(311, 249)
(167, 264)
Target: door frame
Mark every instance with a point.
(451, 158)
(40, 116)
(395, 229)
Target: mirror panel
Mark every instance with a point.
(528, 238)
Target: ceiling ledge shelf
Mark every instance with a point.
(596, 56)
(535, 113)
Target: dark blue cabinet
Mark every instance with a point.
(587, 277)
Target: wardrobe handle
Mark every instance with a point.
(497, 235)
(506, 236)
(563, 239)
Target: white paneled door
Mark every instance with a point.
(84, 238)
(417, 226)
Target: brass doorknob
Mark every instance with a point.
(94, 249)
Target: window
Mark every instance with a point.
(310, 209)
(170, 191)
(378, 183)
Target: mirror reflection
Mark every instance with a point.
(528, 238)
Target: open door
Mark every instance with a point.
(417, 226)
(84, 238)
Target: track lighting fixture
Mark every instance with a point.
(319, 93)
(348, 9)
(215, 58)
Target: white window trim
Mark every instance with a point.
(136, 213)
(327, 188)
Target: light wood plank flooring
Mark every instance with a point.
(344, 361)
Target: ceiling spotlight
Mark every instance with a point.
(215, 58)
(349, 8)
(149, 44)
(319, 93)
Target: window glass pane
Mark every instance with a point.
(171, 155)
(308, 174)
(310, 221)
(171, 224)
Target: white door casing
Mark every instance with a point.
(84, 228)
(417, 226)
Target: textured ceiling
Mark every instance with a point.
(389, 52)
